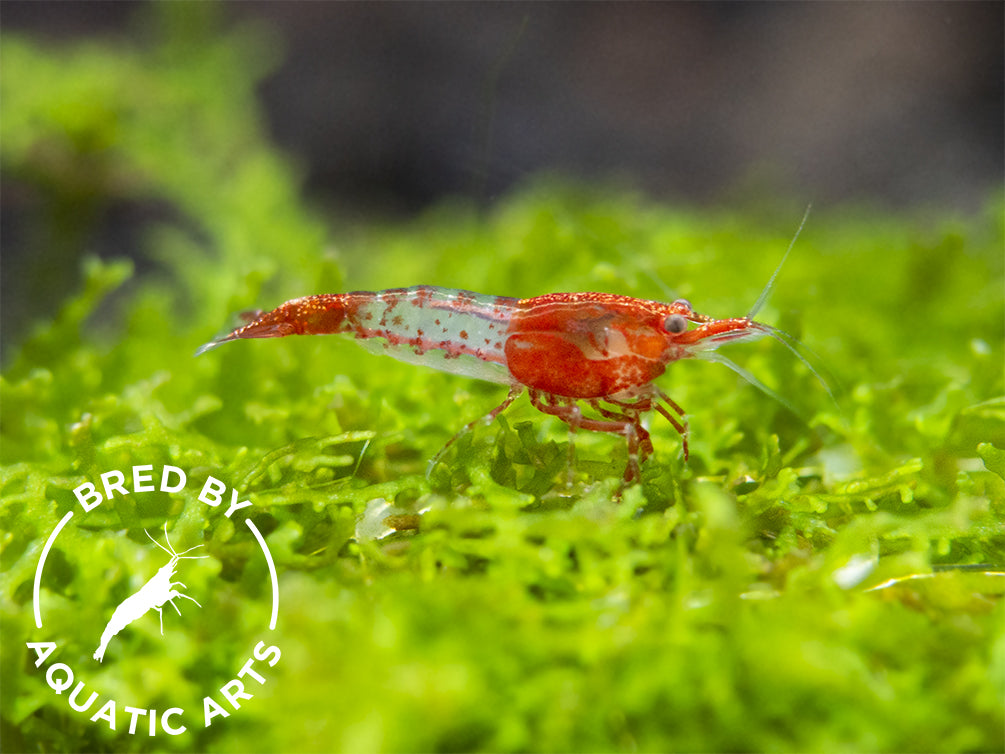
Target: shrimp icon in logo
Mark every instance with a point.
(152, 594)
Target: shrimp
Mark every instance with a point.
(152, 594)
(565, 349)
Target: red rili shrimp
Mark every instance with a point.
(564, 349)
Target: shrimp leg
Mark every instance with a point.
(514, 393)
(628, 425)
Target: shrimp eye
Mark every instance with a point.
(682, 302)
(675, 323)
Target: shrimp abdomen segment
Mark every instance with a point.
(411, 321)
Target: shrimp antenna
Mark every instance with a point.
(771, 283)
(171, 552)
(727, 362)
(797, 347)
(668, 294)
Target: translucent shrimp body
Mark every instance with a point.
(455, 331)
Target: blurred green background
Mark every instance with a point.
(724, 604)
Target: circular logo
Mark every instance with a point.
(169, 588)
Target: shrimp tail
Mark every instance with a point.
(310, 315)
(131, 608)
(111, 630)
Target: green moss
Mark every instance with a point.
(722, 604)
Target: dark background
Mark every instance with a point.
(389, 107)
(394, 105)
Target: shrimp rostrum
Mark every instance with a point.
(567, 350)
